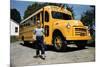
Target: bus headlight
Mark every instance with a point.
(68, 26)
(87, 28)
(89, 34)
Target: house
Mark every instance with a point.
(14, 28)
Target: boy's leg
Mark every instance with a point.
(37, 48)
(42, 52)
(37, 52)
(42, 48)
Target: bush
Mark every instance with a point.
(13, 39)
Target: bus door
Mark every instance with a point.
(47, 28)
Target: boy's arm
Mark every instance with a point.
(34, 31)
(43, 30)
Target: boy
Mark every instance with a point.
(39, 32)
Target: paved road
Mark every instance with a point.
(22, 55)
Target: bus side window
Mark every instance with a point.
(21, 26)
(42, 16)
(31, 19)
(38, 16)
(46, 16)
(34, 19)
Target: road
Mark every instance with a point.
(22, 55)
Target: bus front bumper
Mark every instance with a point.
(78, 38)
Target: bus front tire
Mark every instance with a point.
(58, 42)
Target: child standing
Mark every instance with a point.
(39, 32)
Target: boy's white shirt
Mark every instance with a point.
(38, 32)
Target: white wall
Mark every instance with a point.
(12, 28)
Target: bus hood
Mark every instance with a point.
(69, 22)
(75, 22)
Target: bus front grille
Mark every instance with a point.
(80, 32)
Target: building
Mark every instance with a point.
(14, 28)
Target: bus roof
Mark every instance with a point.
(53, 8)
(31, 16)
(60, 9)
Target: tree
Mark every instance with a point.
(88, 19)
(15, 15)
(70, 9)
(35, 6)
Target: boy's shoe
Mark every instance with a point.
(43, 57)
(36, 56)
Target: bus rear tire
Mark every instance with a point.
(26, 42)
(22, 38)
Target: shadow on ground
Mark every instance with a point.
(51, 48)
(91, 44)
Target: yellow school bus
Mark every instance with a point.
(59, 25)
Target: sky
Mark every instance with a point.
(21, 6)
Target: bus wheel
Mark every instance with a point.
(22, 38)
(26, 42)
(58, 42)
(81, 44)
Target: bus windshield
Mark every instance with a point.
(60, 15)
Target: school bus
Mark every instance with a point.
(59, 25)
